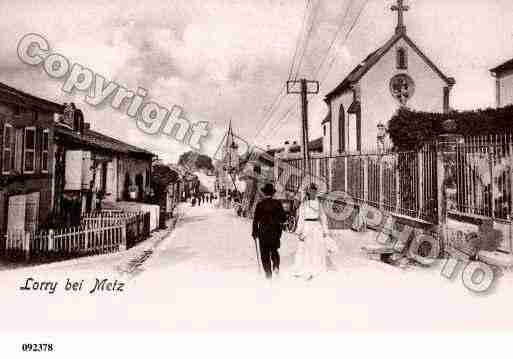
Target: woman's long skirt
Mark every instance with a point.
(310, 258)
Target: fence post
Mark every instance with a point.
(346, 158)
(510, 204)
(26, 245)
(510, 208)
(491, 162)
(329, 174)
(420, 183)
(50, 240)
(122, 246)
(366, 179)
(397, 183)
(381, 184)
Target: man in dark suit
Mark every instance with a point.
(267, 227)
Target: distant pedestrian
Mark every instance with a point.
(267, 227)
(229, 199)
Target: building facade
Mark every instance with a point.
(54, 168)
(95, 170)
(503, 83)
(26, 158)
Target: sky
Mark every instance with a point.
(224, 60)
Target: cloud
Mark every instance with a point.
(225, 60)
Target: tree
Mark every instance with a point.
(162, 177)
(195, 161)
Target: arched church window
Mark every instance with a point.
(341, 129)
(402, 59)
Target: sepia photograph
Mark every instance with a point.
(312, 168)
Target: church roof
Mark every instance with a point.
(507, 66)
(360, 70)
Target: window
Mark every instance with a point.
(324, 130)
(447, 103)
(341, 129)
(8, 143)
(402, 59)
(104, 177)
(45, 150)
(29, 159)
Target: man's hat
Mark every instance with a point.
(268, 189)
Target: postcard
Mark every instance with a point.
(304, 167)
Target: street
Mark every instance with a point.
(203, 276)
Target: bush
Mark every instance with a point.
(409, 129)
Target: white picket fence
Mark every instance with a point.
(106, 218)
(98, 234)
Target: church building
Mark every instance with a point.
(396, 74)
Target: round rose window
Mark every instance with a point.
(402, 88)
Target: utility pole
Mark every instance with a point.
(304, 90)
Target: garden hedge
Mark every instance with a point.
(409, 129)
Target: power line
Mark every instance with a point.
(313, 16)
(331, 45)
(308, 37)
(298, 41)
(333, 40)
(282, 121)
(280, 95)
(278, 98)
(353, 25)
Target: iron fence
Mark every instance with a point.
(403, 183)
(483, 175)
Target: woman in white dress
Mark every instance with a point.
(312, 229)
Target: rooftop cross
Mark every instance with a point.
(400, 8)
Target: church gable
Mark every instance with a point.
(366, 65)
(406, 77)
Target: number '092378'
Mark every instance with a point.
(41, 347)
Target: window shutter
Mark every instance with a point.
(17, 148)
(32, 211)
(39, 149)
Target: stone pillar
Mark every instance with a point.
(446, 147)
